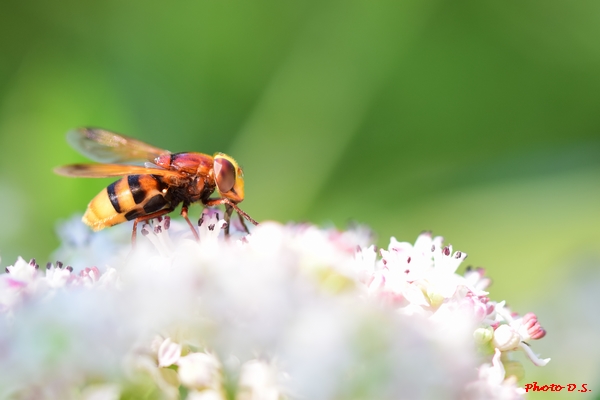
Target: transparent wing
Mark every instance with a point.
(108, 170)
(109, 147)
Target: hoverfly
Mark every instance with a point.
(157, 188)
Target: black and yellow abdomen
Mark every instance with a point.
(126, 199)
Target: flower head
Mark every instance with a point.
(289, 311)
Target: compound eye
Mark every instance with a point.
(224, 174)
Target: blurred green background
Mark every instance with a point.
(477, 120)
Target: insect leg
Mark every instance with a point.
(134, 234)
(146, 218)
(216, 202)
(243, 223)
(228, 212)
(184, 214)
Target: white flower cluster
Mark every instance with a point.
(286, 312)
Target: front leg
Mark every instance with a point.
(243, 223)
(229, 207)
(227, 218)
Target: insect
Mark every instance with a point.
(157, 188)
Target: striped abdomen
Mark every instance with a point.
(126, 199)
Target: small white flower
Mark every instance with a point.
(492, 384)
(168, 353)
(477, 279)
(506, 338)
(159, 236)
(365, 263)
(57, 277)
(529, 328)
(23, 272)
(20, 281)
(199, 371)
(258, 381)
(210, 226)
